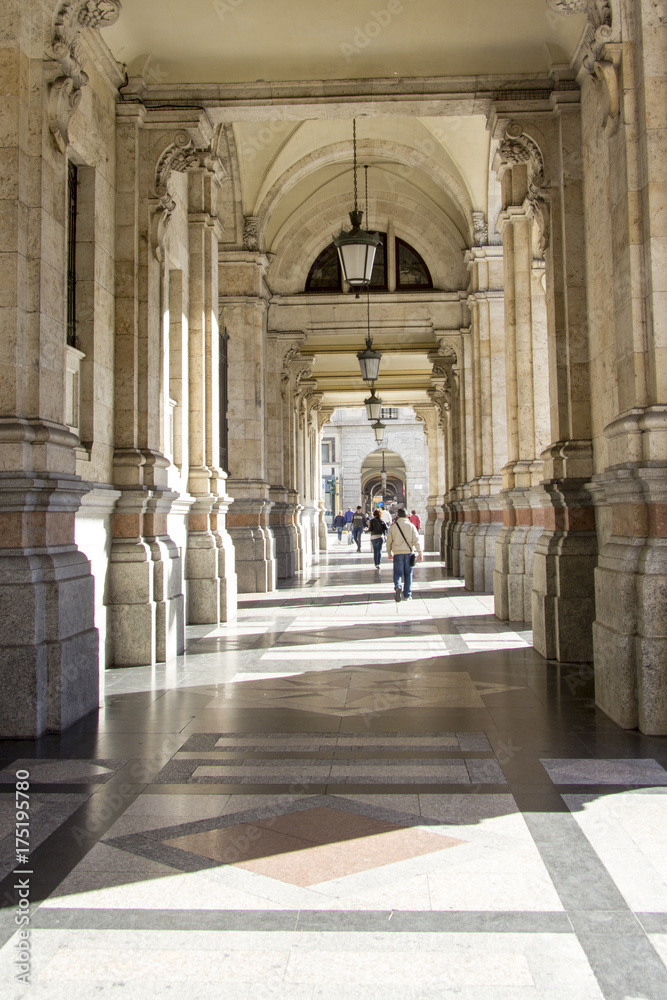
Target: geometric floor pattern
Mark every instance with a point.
(334, 798)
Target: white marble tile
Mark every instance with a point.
(628, 831)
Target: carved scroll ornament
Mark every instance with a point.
(65, 91)
(519, 147)
(597, 53)
(182, 154)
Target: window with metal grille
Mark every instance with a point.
(71, 253)
(389, 413)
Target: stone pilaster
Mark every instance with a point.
(436, 475)
(486, 304)
(243, 301)
(210, 573)
(48, 642)
(146, 604)
(520, 169)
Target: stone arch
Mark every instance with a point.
(392, 152)
(309, 234)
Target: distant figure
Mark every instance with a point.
(349, 514)
(378, 529)
(385, 515)
(402, 540)
(339, 523)
(415, 519)
(359, 525)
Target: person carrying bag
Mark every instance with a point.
(402, 541)
(378, 530)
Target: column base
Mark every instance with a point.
(49, 646)
(515, 549)
(254, 545)
(630, 628)
(210, 575)
(563, 601)
(145, 610)
(283, 528)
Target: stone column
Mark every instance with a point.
(48, 642)
(283, 512)
(435, 444)
(244, 299)
(145, 604)
(486, 303)
(520, 169)
(623, 74)
(323, 415)
(446, 398)
(563, 605)
(209, 566)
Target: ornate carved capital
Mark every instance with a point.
(182, 154)
(480, 229)
(250, 232)
(519, 147)
(324, 415)
(65, 91)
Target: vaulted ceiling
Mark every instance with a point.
(289, 76)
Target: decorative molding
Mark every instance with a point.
(480, 229)
(71, 17)
(597, 54)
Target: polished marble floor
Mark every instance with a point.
(337, 797)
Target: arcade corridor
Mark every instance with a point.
(341, 797)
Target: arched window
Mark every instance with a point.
(324, 275)
(411, 271)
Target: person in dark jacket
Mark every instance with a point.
(349, 514)
(377, 529)
(339, 523)
(359, 525)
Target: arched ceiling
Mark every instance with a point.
(418, 76)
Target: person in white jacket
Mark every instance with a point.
(402, 540)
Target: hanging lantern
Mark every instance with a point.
(369, 362)
(378, 430)
(373, 405)
(356, 248)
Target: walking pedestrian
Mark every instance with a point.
(339, 524)
(415, 519)
(402, 542)
(359, 525)
(349, 514)
(377, 529)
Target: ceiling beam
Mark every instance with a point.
(388, 97)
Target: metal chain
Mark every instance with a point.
(366, 186)
(354, 159)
